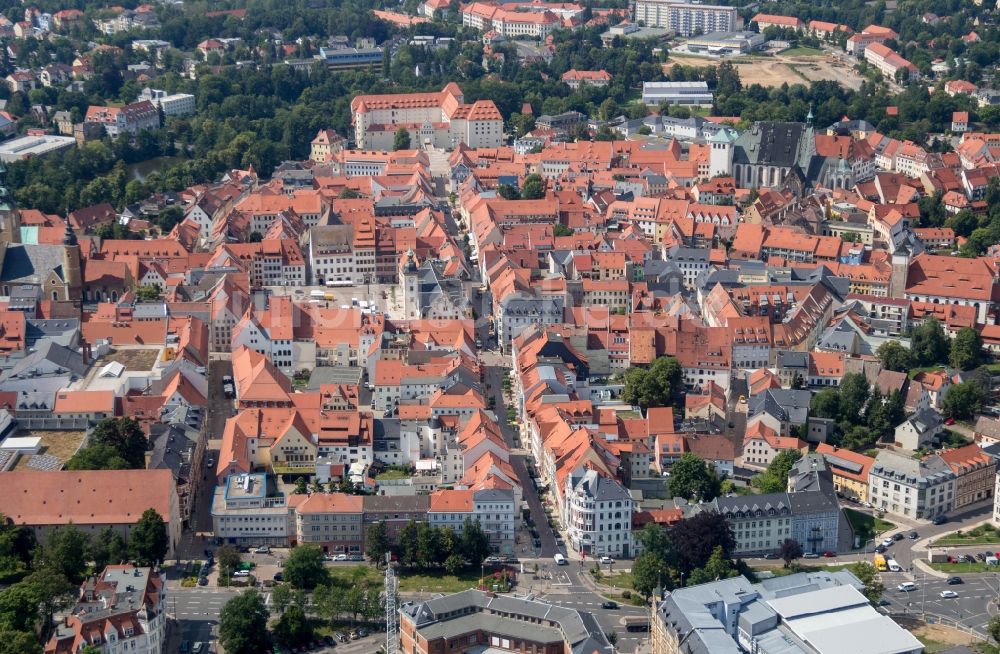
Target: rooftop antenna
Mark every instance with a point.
(391, 611)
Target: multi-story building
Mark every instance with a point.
(849, 469)
(686, 18)
(808, 513)
(331, 520)
(598, 514)
(123, 609)
(114, 499)
(440, 120)
(128, 119)
(496, 511)
(475, 620)
(889, 62)
(247, 510)
(915, 488)
(975, 473)
(394, 511)
(511, 20)
(172, 104)
(805, 613)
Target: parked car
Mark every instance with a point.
(888, 542)
(340, 557)
(914, 535)
(770, 556)
(241, 573)
(879, 549)
(828, 554)
(202, 581)
(980, 556)
(279, 576)
(948, 594)
(362, 632)
(340, 636)
(884, 602)
(954, 581)
(810, 555)
(607, 560)
(940, 520)
(949, 421)
(264, 549)
(329, 641)
(609, 605)
(355, 557)
(354, 635)
(897, 537)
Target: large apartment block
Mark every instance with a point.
(440, 120)
(686, 18)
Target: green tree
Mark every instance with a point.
(19, 606)
(561, 230)
(97, 457)
(775, 478)
(255, 237)
(825, 404)
(868, 575)
(695, 538)
(929, 343)
(453, 564)
(966, 349)
(475, 543)
(692, 479)
(533, 187)
(648, 573)
(126, 436)
(789, 551)
(401, 139)
(106, 548)
(301, 488)
(349, 193)
(304, 567)
(962, 401)
(316, 486)
(509, 192)
(150, 540)
(19, 642)
(717, 567)
(54, 590)
(427, 545)
(293, 629)
(654, 538)
(229, 559)
(854, 389)
(243, 624)
(894, 356)
(147, 293)
(282, 596)
(661, 384)
(65, 552)
(377, 542)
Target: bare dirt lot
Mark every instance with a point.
(779, 69)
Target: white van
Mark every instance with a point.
(560, 559)
(893, 566)
(317, 295)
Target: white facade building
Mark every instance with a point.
(598, 515)
(915, 488)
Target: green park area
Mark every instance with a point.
(867, 526)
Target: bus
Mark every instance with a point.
(636, 623)
(879, 563)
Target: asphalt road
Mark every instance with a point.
(494, 379)
(568, 590)
(975, 605)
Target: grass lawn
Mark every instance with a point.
(957, 568)
(391, 475)
(438, 583)
(981, 535)
(430, 582)
(782, 571)
(802, 52)
(865, 525)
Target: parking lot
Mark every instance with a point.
(385, 298)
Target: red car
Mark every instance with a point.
(829, 554)
(949, 421)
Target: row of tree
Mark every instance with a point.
(42, 578)
(930, 346)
